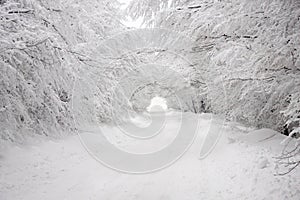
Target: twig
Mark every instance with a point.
(291, 169)
(20, 11)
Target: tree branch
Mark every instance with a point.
(250, 79)
(20, 11)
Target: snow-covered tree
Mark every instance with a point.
(43, 47)
(246, 51)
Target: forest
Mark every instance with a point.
(68, 67)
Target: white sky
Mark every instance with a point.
(129, 22)
(158, 101)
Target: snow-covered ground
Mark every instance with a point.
(240, 167)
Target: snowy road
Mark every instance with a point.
(240, 167)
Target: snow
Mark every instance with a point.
(66, 65)
(62, 169)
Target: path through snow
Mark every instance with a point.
(240, 167)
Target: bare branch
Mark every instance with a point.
(20, 11)
(289, 170)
